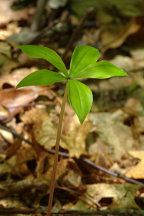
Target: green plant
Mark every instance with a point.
(83, 65)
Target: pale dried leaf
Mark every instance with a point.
(117, 136)
(74, 141)
(118, 34)
(7, 14)
(122, 196)
(137, 171)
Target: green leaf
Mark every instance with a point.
(47, 54)
(100, 70)
(41, 77)
(80, 98)
(82, 57)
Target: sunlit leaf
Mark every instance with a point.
(45, 53)
(80, 98)
(82, 57)
(100, 70)
(41, 77)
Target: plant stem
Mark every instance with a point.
(59, 130)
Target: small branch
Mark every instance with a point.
(38, 15)
(50, 30)
(11, 211)
(14, 133)
(123, 212)
(75, 34)
(117, 175)
(22, 186)
(87, 161)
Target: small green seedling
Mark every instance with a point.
(83, 65)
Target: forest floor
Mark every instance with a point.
(101, 162)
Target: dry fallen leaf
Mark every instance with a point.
(117, 136)
(122, 194)
(10, 29)
(134, 107)
(16, 75)
(7, 136)
(43, 127)
(72, 175)
(7, 14)
(74, 141)
(17, 158)
(117, 34)
(117, 195)
(15, 99)
(137, 171)
(124, 62)
(4, 113)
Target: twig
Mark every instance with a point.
(38, 15)
(14, 133)
(49, 30)
(115, 174)
(76, 33)
(124, 212)
(87, 161)
(45, 32)
(6, 211)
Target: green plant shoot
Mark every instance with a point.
(83, 65)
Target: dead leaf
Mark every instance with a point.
(138, 78)
(117, 34)
(7, 14)
(74, 141)
(124, 62)
(55, 4)
(121, 196)
(45, 128)
(70, 175)
(137, 171)
(15, 99)
(7, 136)
(134, 108)
(117, 136)
(16, 75)
(10, 29)
(23, 36)
(4, 113)
(138, 57)
(11, 202)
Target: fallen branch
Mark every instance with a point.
(38, 15)
(24, 185)
(124, 212)
(87, 161)
(75, 34)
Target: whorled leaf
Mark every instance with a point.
(80, 98)
(41, 77)
(81, 58)
(100, 70)
(45, 53)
